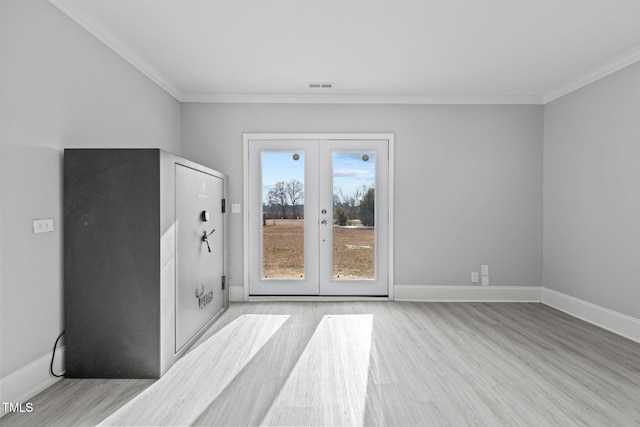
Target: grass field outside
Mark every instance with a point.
(283, 251)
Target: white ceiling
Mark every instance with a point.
(395, 51)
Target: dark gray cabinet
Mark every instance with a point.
(145, 253)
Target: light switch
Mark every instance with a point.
(485, 270)
(474, 277)
(42, 225)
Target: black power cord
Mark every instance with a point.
(53, 356)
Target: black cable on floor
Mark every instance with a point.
(53, 356)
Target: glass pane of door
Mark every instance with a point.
(354, 243)
(283, 215)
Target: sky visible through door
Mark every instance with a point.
(350, 171)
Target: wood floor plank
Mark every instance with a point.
(442, 364)
(329, 382)
(77, 402)
(198, 378)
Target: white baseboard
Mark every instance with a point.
(303, 298)
(618, 323)
(26, 382)
(467, 293)
(423, 293)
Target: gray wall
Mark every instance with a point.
(592, 193)
(468, 180)
(60, 88)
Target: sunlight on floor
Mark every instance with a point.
(328, 385)
(186, 390)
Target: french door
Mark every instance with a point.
(318, 217)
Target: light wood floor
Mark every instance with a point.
(455, 364)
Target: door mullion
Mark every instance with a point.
(325, 196)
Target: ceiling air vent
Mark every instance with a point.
(320, 85)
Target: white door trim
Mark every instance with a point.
(314, 136)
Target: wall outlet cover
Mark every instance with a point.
(485, 280)
(42, 225)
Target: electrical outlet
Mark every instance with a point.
(42, 225)
(474, 277)
(236, 208)
(485, 270)
(485, 280)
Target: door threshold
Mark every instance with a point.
(313, 298)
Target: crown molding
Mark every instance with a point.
(593, 75)
(100, 31)
(358, 99)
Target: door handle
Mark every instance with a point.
(205, 238)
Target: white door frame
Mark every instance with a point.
(315, 136)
